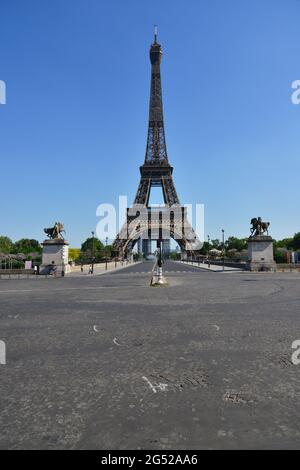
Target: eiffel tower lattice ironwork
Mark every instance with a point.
(156, 171)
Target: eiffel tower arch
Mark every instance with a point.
(156, 171)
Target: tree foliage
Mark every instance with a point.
(285, 243)
(91, 244)
(174, 255)
(6, 245)
(205, 248)
(292, 243)
(74, 254)
(92, 248)
(296, 241)
(27, 245)
(233, 243)
(216, 244)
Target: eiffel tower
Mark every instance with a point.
(156, 171)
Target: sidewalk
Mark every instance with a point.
(213, 267)
(100, 268)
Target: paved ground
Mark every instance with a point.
(108, 362)
(213, 267)
(100, 268)
(168, 267)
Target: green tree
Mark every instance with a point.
(27, 245)
(205, 248)
(74, 254)
(285, 243)
(174, 255)
(92, 247)
(234, 243)
(6, 245)
(279, 256)
(108, 250)
(296, 241)
(216, 244)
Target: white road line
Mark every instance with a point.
(21, 290)
(150, 384)
(160, 386)
(57, 290)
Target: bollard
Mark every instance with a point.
(159, 275)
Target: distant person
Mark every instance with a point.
(91, 269)
(81, 268)
(53, 269)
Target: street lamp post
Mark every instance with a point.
(93, 251)
(159, 262)
(106, 240)
(208, 260)
(223, 245)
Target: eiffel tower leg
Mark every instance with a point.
(169, 191)
(143, 192)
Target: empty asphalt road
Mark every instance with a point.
(107, 362)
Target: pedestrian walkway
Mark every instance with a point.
(101, 268)
(212, 267)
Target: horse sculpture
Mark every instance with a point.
(55, 232)
(259, 227)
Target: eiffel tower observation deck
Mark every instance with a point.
(142, 221)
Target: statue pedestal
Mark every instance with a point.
(55, 253)
(260, 254)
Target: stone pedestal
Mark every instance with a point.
(55, 253)
(260, 254)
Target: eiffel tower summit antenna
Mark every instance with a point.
(155, 33)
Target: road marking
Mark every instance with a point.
(57, 290)
(160, 386)
(19, 290)
(2, 352)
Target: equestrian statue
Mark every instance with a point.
(259, 227)
(55, 232)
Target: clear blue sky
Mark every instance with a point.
(73, 131)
